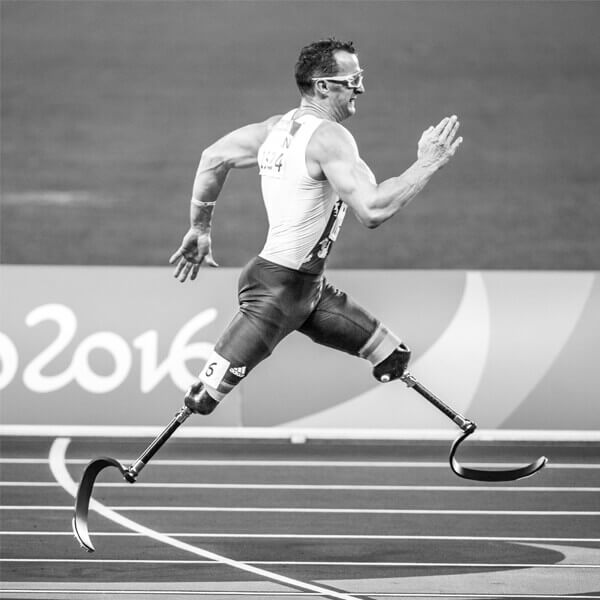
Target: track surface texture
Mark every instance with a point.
(240, 519)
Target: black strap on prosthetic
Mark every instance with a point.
(468, 427)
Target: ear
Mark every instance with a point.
(321, 88)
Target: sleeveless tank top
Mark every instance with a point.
(304, 214)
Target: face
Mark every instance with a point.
(342, 98)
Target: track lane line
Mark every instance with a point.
(59, 470)
(300, 487)
(313, 563)
(319, 536)
(285, 434)
(313, 463)
(427, 596)
(295, 510)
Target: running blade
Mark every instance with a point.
(83, 498)
(492, 475)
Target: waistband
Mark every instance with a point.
(286, 272)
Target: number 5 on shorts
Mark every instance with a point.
(214, 370)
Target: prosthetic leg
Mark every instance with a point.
(394, 367)
(197, 400)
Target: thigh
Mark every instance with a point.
(244, 343)
(339, 322)
(238, 350)
(274, 301)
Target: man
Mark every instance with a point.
(310, 172)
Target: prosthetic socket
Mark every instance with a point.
(393, 366)
(199, 401)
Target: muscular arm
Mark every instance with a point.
(236, 150)
(336, 152)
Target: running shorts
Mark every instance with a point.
(274, 301)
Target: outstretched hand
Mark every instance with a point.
(194, 250)
(437, 144)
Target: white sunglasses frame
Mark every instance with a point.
(347, 79)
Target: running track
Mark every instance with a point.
(244, 519)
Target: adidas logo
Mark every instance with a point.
(239, 371)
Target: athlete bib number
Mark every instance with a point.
(272, 154)
(271, 163)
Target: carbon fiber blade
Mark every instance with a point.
(492, 475)
(84, 495)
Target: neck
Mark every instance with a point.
(313, 107)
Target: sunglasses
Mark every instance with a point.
(352, 81)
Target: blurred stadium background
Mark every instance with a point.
(106, 107)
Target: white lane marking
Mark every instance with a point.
(309, 563)
(230, 593)
(285, 435)
(318, 536)
(283, 486)
(312, 463)
(59, 470)
(352, 511)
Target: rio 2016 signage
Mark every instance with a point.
(108, 345)
(144, 347)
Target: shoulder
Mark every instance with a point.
(263, 128)
(239, 148)
(251, 135)
(332, 139)
(271, 122)
(333, 132)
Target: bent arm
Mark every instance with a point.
(351, 178)
(236, 150)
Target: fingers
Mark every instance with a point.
(440, 126)
(175, 257)
(453, 132)
(185, 268)
(455, 146)
(182, 269)
(194, 272)
(445, 129)
(438, 144)
(194, 250)
(189, 269)
(449, 130)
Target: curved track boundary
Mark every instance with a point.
(61, 474)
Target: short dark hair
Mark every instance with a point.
(316, 60)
